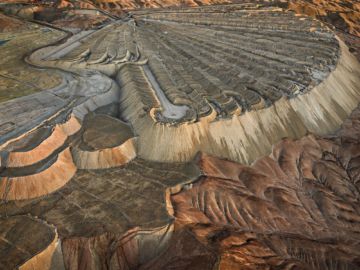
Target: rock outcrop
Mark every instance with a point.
(248, 120)
(106, 142)
(113, 218)
(82, 189)
(56, 139)
(297, 207)
(39, 183)
(17, 237)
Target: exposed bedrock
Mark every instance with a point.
(296, 208)
(19, 154)
(35, 160)
(118, 218)
(114, 251)
(220, 87)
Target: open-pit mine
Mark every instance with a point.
(221, 137)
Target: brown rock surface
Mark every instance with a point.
(344, 15)
(124, 209)
(39, 183)
(17, 237)
(298, 207)
(42, 147)
(105, 142)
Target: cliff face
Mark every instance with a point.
(298, 207)
(229, 81)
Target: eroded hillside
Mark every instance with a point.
(217, 137)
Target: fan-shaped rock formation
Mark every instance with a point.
(241, 92)
(98, 156)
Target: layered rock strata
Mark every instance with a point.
(113, 218)
(297, 207)
(39, 183)
(106, 142)
(240, 94)
(57, 138)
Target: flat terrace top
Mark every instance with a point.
(226, 57)
(234, 59)
(17, 237)
(112, 200)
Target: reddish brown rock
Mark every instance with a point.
(298, 207)
(343, 15)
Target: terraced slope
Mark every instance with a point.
(206, 75)
(296, 208)
(246, 60)
(235, 82)
(127, 207)
(161, 86)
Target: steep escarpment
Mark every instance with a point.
(106, 142)
(113, 217)
(38, 130)
(296, 207)
(253, 109)
(79, 163)
(41, 148)
(38, 162)
(36, 184)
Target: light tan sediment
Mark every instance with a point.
(41, 183)
(56, 139)
(49, 259)
(105, 158)
(246, 137)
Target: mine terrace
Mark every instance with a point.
(171, 138)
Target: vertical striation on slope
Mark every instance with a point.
(297, 207)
